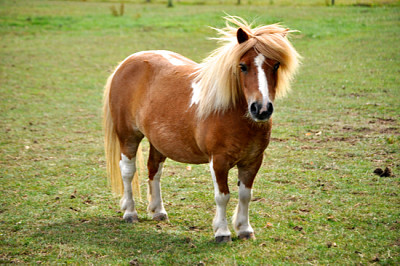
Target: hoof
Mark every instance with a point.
(160, 217)
(246, 235)
(223, 239)
(131, 217)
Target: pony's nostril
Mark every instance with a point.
(270, 108)
(265, 115)
(254, 108)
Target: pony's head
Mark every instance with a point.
(256, 64)
(258, 80)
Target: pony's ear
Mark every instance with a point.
(241, 36)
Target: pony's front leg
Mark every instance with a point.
(128, 169)
(240, 218)
(219, 172)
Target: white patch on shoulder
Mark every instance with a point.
(262, 78)
(195, 94)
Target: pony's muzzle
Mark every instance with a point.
(261, 112)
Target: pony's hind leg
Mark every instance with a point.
(155, 165)
(127, 166)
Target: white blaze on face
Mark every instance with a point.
(262, 78)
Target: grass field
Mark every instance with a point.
(316, 199)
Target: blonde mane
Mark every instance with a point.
(217, 76)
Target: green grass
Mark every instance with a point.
(316, 186)
(257, 2)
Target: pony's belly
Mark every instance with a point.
(184, 150)
(183, 154)
(172, 132)
(182, 158)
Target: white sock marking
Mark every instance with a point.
(241, 217)
(128, 169)
(220, 224)
(155, 199)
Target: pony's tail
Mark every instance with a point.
(113, 152)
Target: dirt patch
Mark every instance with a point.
(278, 140)
(390, 130)
(389, 120)
(384, 173)
(387, 127)
(309, 148)
(351, 140)
(358, 129)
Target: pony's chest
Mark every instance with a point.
(236, 138)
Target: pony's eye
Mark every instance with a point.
(276, 66)
(243, 67)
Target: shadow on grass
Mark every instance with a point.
(112, 238)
